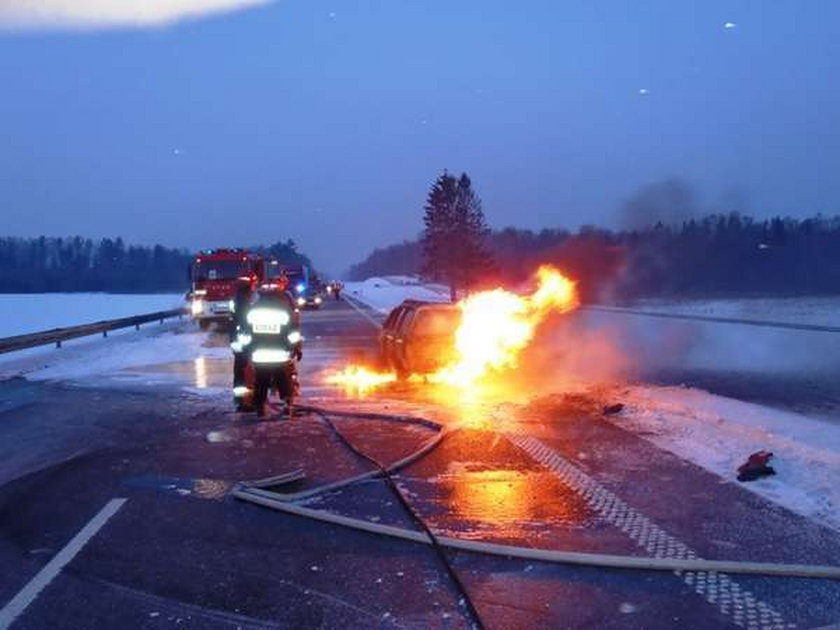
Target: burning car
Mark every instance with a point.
(461, 344)
(418, 337)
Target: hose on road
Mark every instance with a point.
(430, 536)
(283, 503)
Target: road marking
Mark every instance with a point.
(743, 607)
(33, 588)
(351, 301)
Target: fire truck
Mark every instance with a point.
(214, 274)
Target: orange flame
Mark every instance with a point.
(358, 379)
(496, 326)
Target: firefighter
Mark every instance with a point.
(273, 296)
(337, 290)
(241, 300)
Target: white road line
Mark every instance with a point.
(367, 315)
(33, 588)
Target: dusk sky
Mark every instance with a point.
(200, 123)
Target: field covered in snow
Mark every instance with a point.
(820, 311)
(33, 312)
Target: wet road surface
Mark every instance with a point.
(552, 473)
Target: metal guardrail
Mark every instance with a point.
(58, 335)
(716, 320)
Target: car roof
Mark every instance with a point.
(415, 304)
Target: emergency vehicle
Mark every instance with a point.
(214, 274)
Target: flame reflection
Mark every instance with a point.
(200, 373)
(511, 504)
(497, 497)
(211, 488)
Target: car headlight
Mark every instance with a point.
(197, 307)
(317, 299)
(295, 337)
(301, 301)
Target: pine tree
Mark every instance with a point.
(455, 233)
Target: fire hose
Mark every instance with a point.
(254, 492)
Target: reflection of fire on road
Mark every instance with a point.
(500, 497)
(200, 373)
(496, 326)
(511, 503)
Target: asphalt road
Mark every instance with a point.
(179, 551)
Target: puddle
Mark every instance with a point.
(202, 488)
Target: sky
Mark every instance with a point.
(202, 123)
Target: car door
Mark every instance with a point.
(386, 337)
(401, 336)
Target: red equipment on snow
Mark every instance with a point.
(756, 466)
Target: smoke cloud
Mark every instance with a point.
(669, 202)
(103, 14)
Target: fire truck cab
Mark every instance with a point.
(214, 274)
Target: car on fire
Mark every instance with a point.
(419, 337)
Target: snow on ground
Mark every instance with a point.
(719, 433)
(33, 312)
(136, 356)
(795, 310)
(383, 294)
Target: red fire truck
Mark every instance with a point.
(214, 274)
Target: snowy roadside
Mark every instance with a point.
(713, 432)
(383, 294)
(719, 433)
(172, 353)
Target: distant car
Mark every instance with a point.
(309, 299)
(419, 337)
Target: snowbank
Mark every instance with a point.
(383, 294)
(33, 312)
(719, 433)
(133, 355)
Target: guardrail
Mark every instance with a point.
(58, 335)
(715, 320)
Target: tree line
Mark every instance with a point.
(716, 255)
(56, 264)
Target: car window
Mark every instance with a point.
(404, 321)
(436, 321)
(393, 316)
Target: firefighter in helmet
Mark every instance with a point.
(272, 293)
